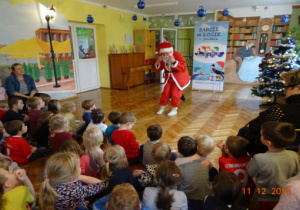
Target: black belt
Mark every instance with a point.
(173, 71)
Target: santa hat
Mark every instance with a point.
(164, 48)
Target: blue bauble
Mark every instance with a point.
(201, 12)
(225, 12)
(176, 23)
(134, 17)
(285, 19)
(90, 19)
(141, 4)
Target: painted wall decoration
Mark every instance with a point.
(86, 42)
(210, 43)
(26, 40)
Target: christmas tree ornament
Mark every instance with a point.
(134, 17)
(225, 12)
(141, 4)
(201, 12)
(90, 18)
(176, 23)
(285, 18)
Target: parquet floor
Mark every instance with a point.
(197, 115)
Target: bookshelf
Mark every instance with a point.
(278, 31)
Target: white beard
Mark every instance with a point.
(166, 58)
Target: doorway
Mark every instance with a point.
(85, 58)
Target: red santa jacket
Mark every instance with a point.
(179, 70)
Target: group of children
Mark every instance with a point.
(89, 162)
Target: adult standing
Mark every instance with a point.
(288, 112)
(176, 76)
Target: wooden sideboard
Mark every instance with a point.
(127, 69)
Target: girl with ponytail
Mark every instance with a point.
(114, 171)
(63, 188)
(166, 196)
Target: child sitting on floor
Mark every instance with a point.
(166, 196)
(63, 187)
(35, 104)
(46, 98)
(3, 108)
(54, 106)
(17, 147)
(98, 116)
(15, 111)
(68, 108)
(42, 134)
(92, 141)
(273, 168)
(13, 195)
(195, 183)
(58, 125)
(125, 138)
(227, 190)
(114, 118)
(70, 145)
(88, 106)
(235, 159)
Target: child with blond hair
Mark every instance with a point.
(125, 138)
(68, 108)
(58, 133)
(115, 170)
(92, 141)
(13, 195)
(63, 186)
(35, 104)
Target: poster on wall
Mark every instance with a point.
(86, 42)
(209, 56)
(28, 43)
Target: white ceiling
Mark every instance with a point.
(156, 7)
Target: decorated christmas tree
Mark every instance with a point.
(274, 63)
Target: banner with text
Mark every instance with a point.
(210, 44)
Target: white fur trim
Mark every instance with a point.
(165, 50)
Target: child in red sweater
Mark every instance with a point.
(58, 125)
(17, 147)
(125, 138)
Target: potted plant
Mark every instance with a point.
(25, 67)
(65, 69)
(48, 74)
(36, 73)
(29, 70)
(58, 71)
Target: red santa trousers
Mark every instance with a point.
(170, 90)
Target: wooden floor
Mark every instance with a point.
(197, 115)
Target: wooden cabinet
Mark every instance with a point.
(145, 42)
(278, 31)
(127, 69)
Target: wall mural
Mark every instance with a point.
(25, 40)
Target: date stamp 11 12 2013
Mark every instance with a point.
(263, 191)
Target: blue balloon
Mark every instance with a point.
(225, 12)
(89, 19)
(176, 23)
(285, 19)
(201, 12)
(134, 17)
(141, 4)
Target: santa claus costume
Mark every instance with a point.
(176, 76)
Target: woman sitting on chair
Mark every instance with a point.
(288, 112)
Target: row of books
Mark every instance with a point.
(275, 42)
(277, 36)
(240, 42)
(242, 36)
(280, 28)
(252, 29)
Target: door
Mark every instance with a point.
(168, 35)
(85, 58)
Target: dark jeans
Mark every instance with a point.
(195, 204)
(40, 152)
